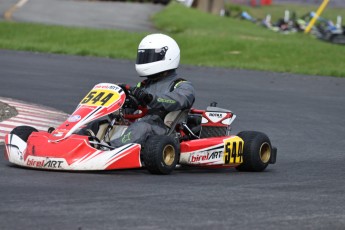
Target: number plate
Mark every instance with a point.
(100, 97)
(233, 150)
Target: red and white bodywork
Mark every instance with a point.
(225, 150)
(64, 149)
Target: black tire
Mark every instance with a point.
(23, 132)
(257, 151)
(161, 154)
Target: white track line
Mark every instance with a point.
(15, 124)
(8, 13)
(27, 122)
(38, 111)
(21, 3)
(21, 106)
(22, 118)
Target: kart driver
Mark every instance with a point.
(162, 91)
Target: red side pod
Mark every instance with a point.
(199, 144)
(127, 159)
(209, 152)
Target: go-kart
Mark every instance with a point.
(194, 138)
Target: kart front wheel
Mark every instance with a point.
(257, 151)
(23, 132)
(160, 154)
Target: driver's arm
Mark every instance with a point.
(182, 97)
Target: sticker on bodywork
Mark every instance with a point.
(45, 162)
(100, 97)
(233, 150)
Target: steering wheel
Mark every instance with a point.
(131, 102)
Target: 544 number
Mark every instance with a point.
(233, 153)
(97, 98)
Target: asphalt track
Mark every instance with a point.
(94, 14)
(303, 115)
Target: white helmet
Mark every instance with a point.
(157, 53)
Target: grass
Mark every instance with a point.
(215, 41)
(68, 40)
(204, 39)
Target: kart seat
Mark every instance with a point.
(99, 129)
(175, 117)
(171, 117)
(194, 123)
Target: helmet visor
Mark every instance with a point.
(151, 55)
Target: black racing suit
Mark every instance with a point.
(169, 93)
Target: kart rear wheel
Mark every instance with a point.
(257, 151)
(23, 132)
(161, 154)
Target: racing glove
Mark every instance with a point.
(122, 85)
(141, 95)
